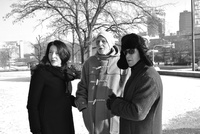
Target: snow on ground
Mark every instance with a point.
(181, 95)
(13, 99)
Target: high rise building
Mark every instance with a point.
(185, 22)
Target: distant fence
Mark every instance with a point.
(194, 74)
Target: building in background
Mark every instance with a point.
(15, 52)
(25, 48)
(156, 25)
(185, 21)
(185, 24)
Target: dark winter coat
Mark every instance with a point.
(50, 102)
(140, 109)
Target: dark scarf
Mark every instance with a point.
(135, 66)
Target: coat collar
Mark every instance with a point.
(138, 66)
(56, 71)
(114, 53)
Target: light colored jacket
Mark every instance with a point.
(100, 78)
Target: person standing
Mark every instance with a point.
(100, 77)
(140, 108)
(49, 100)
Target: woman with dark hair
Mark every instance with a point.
(49, 100)
(140, 108)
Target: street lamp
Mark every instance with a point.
(153, 50)
(165, 46)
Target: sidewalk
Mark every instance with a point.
(180, 72)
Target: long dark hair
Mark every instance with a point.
(63, 52)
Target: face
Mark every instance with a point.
(132, 56)
(53, 56)
(102, 45)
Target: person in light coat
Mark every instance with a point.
(140, 108)
(100, 78)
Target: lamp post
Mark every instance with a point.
(193, 39)
(195, 19)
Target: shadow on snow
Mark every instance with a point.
(188, 123)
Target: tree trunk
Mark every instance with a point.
(72, 59)
(89, 44)
(73, 44)
(89, 50)
(82, 53)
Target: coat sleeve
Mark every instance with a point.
(82, 89)
(142, 100)
(34, 96)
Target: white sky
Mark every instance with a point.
(172, 11)
(18, 31)
(25, 30)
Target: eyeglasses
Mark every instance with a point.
(129, 51)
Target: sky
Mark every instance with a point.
(26, 31)
(172, 9)
(18, 31)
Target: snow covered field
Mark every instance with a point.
(181, 95)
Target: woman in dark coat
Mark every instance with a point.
(50, 100)
(140, 108)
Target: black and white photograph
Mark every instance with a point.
(99, 66)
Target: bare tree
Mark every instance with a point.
(39, 48)
(8, 53)
(85, 17)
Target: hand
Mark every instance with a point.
(80, 107)
(72, 99)
(110, 100)
(108, 104)
(112, 96)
